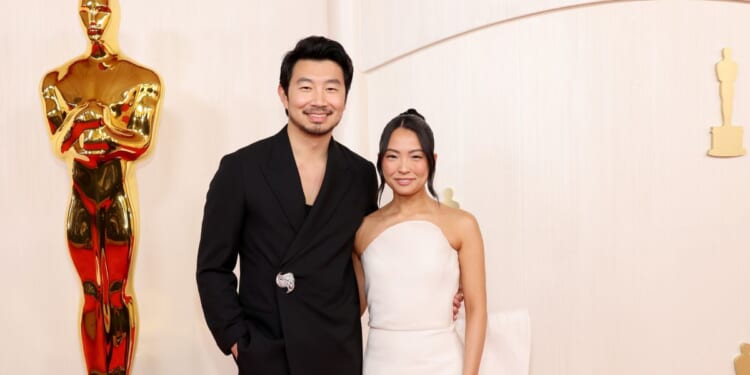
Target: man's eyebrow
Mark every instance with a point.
(309, 80)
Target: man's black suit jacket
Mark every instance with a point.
(255, 210)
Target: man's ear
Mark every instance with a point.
(434, 156)
(282, 96)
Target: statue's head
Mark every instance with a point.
(448, 194)
(98, 18)
(95, 16)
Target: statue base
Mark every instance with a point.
(726, 141)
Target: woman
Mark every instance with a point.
(414, 251)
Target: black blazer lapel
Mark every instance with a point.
(336, 183)
(281, 174)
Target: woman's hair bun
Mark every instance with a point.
(413, 112)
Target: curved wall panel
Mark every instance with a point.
(391, 28)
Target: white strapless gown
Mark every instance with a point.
(411, 277)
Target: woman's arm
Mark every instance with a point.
(471, 261)
(359, 272)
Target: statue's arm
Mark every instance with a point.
(131, 120)
(60, 114)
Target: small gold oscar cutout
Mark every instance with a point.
(742, 362)
(726, 140)
(448, 198)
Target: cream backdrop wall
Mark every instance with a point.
(575, 131)
(219, 62)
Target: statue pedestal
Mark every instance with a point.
(726, 141)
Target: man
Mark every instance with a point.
(101, 114)
(289, 206)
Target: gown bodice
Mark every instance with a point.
(411, 276)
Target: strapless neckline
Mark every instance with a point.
(405, 222)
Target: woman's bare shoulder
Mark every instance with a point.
(456, 218)
(368, 230)
(457, 224)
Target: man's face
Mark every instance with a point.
(316, 97)
(95, 15)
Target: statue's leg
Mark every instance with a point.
(727, 103)
(118, 245)
(83, 246)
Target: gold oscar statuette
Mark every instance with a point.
(448, 198)
(726, 140)
(742, 362)
(101, 110)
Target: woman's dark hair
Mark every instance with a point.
(316, 48)
(414, 121)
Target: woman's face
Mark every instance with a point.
(404, 163)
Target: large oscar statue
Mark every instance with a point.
(101, 110)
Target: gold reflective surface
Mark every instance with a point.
(101, 111)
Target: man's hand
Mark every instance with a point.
(457, 300)
(234, 351)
